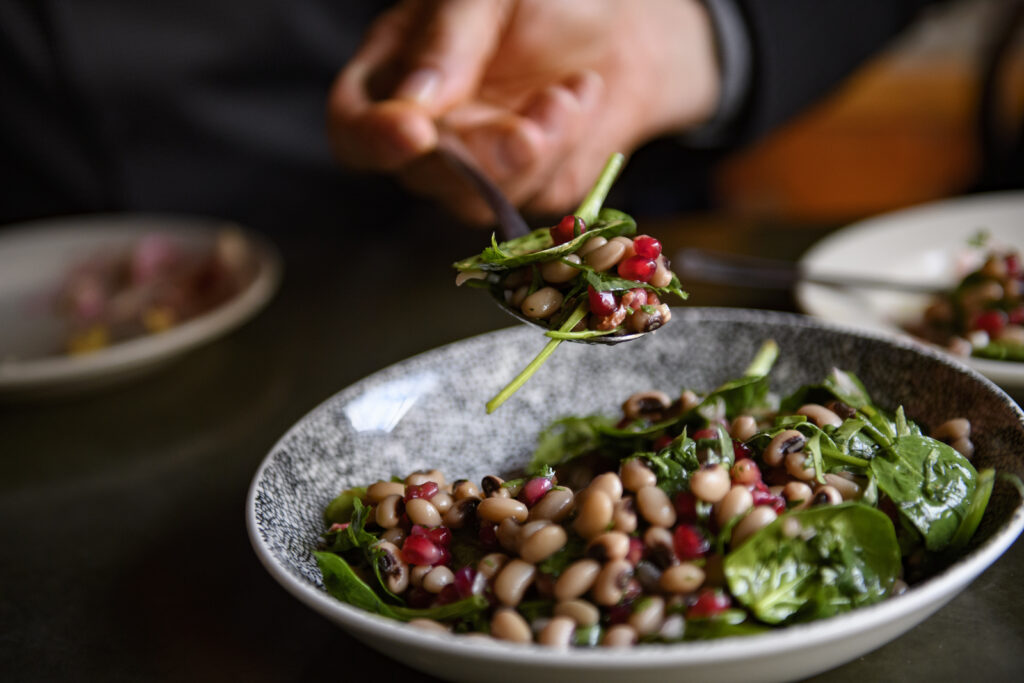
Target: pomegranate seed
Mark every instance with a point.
(636, 550)
(1016, 316)
(991, 321)
(745, 471)
(488, 537)
(689, 542)
(777, 503)
(1013, 264)
(441, 535)
(635, 298)
(741, 450)
(421, 550)
(601, 303)
(705, 434)
(338, 527)
(647, 246)
(662, 442)
(419, 598)
(469, 582)
(534, 490)
(709, 603)
(686, 506)
(568, 228)
(639, 268)
(426, 490)
(448, 595)
(619, 614)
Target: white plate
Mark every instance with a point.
(35, 258)
(926, 243)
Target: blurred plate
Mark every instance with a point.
(35, 259)
(926, 243)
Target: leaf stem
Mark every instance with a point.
(591, 204)
(527, 372)
(764, 359)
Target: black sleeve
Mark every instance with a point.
(801, 49)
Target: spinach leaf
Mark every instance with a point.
(344, 584)
(731, 622)
(847, 557)
(355, 534)
(931, 485)
(566, 439)
(749, 392)
(975, 510)
(674, 464)
(340, 509)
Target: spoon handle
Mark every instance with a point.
(510, 222)
(751, 271)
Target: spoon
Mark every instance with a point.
(510, 226)
(753, 271)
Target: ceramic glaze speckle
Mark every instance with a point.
(429, 412)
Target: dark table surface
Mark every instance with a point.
(123, 548)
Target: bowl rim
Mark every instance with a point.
(922, 599)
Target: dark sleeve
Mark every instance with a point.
(802, 49)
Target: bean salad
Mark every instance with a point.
(687, 516)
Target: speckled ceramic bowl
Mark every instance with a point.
(428, 411)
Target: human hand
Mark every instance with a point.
(540, 92)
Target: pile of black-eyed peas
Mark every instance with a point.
(612, 560)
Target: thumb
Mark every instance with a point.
(447, 61)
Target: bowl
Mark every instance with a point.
(428, 411)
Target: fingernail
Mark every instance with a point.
(420, 86)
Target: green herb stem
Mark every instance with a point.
(591, 204)
(527, 372)
(764, 360)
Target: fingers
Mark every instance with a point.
(418, 60)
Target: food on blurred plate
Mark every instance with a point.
(589, 276)
(983, 315)
(151, 286)
(687, 517)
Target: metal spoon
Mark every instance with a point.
(752, 271)
(510, 223)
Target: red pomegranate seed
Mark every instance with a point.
(709, 603)
(662, 442)
(426, 490)
(1016, 316)
(448, 595)
(745, 471)
(338, 527)
(601, 303)
(635, 298)
(619, 614)
(991, 321)
(741, 450)
(636, 550)
(639, 268)
(689, 542)
(568, 228)
(686, 506)
(419, 597)
(488, 537)
(469, 582)
(441, 535)
(708, 433)
(647, 246)
(777, 503)
(534, 490)
(421, 550)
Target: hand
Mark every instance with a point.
(541, 92)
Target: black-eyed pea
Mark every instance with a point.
(662, 273)
(517, 295)
(507, 624)
(577, 579)
(710, 483)
(635, 474)
(508, 534)
(683, 578)
(688, 400)
(429, 625)
(819, 415)
(743, 427)
(417, 573)
(848, 488)
(611, 545)
(673, 627)
(964, 446)
(555, 505)
(648, 615)
(461, 513)
(797, 494)
(782, 444)
(827, 495)
(489, 565)
(581, 612)
(543, 303)
(392, 568)
(543, 543)
(442, 501)
(389, 511)
(799, 466)
(654, 505)
(624, 516)
(755, 520)
(660, 546)
(393, 535)
(608, 482)
(513, 580)
(736, 502)
(380, 490)
(649, 404)
(423, 476)
(463, 488)
(591, 244)
(620, 635)
(496, 508)
(557, 272)
(437, 578)
(421, 511)
(627, 243)
(611, 582)
(606, 256)
(557, 632)
(594, 514)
